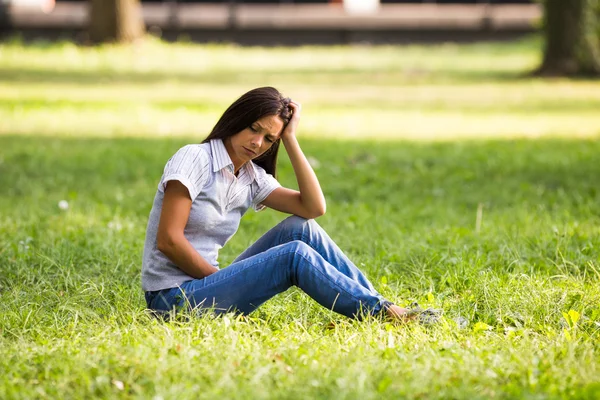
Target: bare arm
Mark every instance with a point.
(170, 239)
(309, 201)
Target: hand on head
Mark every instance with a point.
(295, 109)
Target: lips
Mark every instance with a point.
(250, 152)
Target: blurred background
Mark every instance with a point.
(364, 68)
(280, 21)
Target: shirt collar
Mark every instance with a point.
(222, 160)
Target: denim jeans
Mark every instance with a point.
(296, 252)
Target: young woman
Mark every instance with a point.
(203, 193)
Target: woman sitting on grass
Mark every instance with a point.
(203, 193)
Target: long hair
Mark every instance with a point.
(246, 110)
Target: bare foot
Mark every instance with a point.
(400, 314)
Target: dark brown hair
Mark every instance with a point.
(246, 110)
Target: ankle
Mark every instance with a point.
(398, 313)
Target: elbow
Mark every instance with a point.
(321, 211)
(323, 208)
(318, 212)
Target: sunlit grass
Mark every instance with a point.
(379, 92)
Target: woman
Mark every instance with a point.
(204, 191)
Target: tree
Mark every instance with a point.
(4, 18)
(572, 35)
(115, 21)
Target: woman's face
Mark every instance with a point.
(254, 140)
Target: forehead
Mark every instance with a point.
(271, 123)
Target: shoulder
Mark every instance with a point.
(192, 159)
(190, 165)
(260, 172)
(191, 155)
(264, 184)
(194, 150)
(263, 180)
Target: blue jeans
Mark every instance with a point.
(296, 252)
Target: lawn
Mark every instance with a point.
(452, 179)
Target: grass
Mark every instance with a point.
(413, 92)
(502, 232)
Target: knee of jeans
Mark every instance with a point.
(295, 223)
(299, 247)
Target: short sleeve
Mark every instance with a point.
(190, 166)
(265, 185)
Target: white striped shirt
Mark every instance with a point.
(219, 200)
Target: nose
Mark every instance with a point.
(257, 141)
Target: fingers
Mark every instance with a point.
(295, 107)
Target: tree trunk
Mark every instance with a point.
(4, 19)
(115, 21)
(572, 38)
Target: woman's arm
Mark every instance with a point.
(309, 202)
(170, 239)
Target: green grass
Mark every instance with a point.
(414, 92)
(95, 127)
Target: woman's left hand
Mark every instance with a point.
(290, 129)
